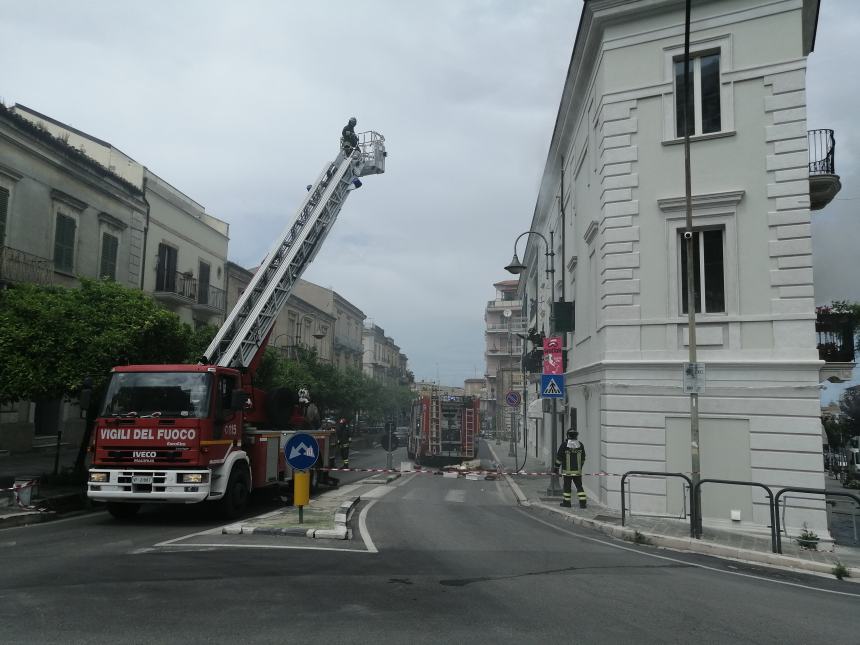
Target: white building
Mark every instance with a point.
(613, 195)
(503, 353)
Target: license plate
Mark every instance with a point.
(140, 479)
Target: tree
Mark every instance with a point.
(53, 338)
(849, 405)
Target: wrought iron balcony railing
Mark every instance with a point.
(212, 297)
(175, 283)
(19, 266)
(822, 152)
(824, 183)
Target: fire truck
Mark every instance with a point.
(443, 429)
(194, 433)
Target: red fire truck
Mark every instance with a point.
(443, 429)
(192, 433)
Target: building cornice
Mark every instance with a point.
(722, 200)
(68, 200)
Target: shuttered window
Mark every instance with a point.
(110, 246)
(4, 207)
(64, 243)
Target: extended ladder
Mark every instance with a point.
(469, 430)
(247, 326)
(435, 421)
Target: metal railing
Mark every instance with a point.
(835, 337)
(822, 152)
(19, 266)
(774, 520)
(515, 324)
(212, 297)
(181, 284)
(650, 473)
(800, 489)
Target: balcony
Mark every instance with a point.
(18, 266)
(835, 341)
(824, 183)
(513, 323)
(175, 287)
(498, 305)
(210, 298)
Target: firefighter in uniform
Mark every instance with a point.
(570, 458)
(343, 441)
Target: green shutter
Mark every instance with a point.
(110, 245)
(64, 243)
(4, 206)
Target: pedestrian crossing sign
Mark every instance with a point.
(552, 386)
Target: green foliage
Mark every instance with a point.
(840, 571)
(199, 341)
(849, 406)
(338, 393)
(52, 338)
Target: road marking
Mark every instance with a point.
(214, 531)
(197, 547)
(376, 493)
(457, 495)
(685, 562)
(362, 528)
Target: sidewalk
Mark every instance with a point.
(50, 497)
(669, 533)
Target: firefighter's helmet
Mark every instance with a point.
(572, 434)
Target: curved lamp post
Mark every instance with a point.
(516, 267)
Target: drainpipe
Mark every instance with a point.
(563, 227)
(145, 233)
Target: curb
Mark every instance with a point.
(522, 500)
(704, 547)
(339, 532)
(25, 518)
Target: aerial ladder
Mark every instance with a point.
(241, 339)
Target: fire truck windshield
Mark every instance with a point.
(158, 394)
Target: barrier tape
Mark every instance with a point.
(16, 490)
(439, 471)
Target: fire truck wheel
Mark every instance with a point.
(238, 488)
(122, 511)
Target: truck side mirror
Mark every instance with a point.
(238, 400)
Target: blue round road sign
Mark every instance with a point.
(301, 451)
(513, 398)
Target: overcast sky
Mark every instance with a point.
(240, 104)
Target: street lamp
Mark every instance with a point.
(516, 267)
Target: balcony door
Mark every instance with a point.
(203, 284)
(165, 279)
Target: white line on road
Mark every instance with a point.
(457, 495)
(692, 564)
(362, 528)
(196, 547)
(214, 531)
(76, 518)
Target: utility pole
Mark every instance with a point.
(691, 281)
(554, 488)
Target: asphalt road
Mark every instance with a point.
(433, 559)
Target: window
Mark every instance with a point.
(708, 269)
(64, 243)
(203, 284)
(703, 97)
(110, 244)
(165, 277)
(4, 206)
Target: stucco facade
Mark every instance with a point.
(182, 250)
(61, 217)
(613, 195)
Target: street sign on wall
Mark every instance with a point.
(553, 362)
(552, 386)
